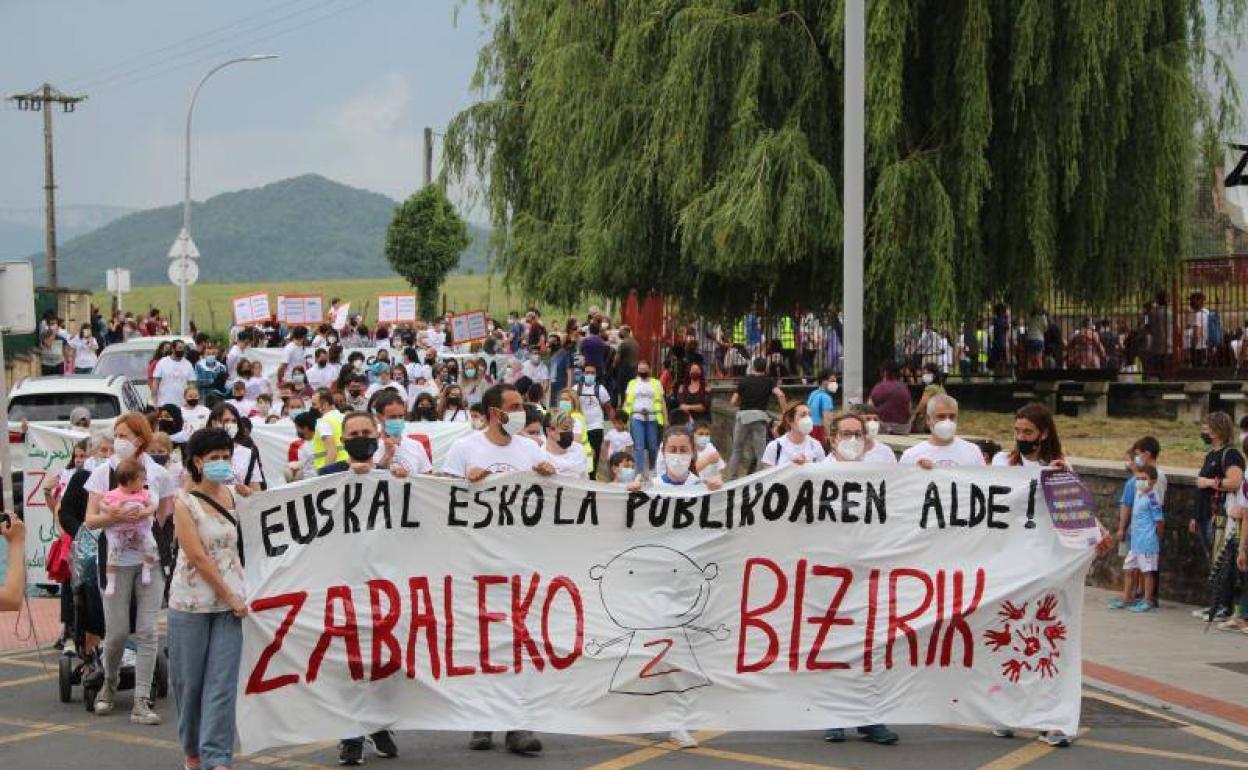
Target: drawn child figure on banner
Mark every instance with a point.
(655, 594)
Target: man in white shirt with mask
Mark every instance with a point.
(171, 376)
(877, 451)
(499, 448)
(943, 448)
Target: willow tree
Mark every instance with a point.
(694, 147)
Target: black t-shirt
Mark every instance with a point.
(754, 391)
(1214, 467)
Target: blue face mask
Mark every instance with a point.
(591, 378)
(219, 471)
(394, 427)
(210, 360)
(296, 412)
(627, 474)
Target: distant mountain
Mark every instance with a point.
(22, 230)
(308, 227)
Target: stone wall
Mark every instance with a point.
(1184, 568)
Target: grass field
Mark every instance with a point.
(1103, 439)
(211, 302)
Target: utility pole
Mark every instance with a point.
(852, 221)
(42, 99)
(428, 155)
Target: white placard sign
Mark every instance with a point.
(812, 596)
(396, 308)
(469, 327)
(251, 309)
(48, 452)
(300, 309)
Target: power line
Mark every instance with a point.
(212, 47)
(89, 75)
(239, 46)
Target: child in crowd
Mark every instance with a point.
(623, 468)
(131, 542)
(709, 462)
(476, 416)
(617, 438)
(1147, 526)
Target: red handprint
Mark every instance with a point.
(1045, 610)
(998, 639)
(1010, 612)
(1055, 633)
(1013, 669)
(1031, 644)
(1047, 668)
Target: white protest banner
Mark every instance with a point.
(274, 441)
(469, 327)
(252, 309)
(802, 598)
(48, 452)
(297, 309)
(396, 308)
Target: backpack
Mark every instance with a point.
(1214, 337)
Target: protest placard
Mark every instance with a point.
(803, 597)
(251, 309)
(300, 309)
(469, 327)
(396, 308)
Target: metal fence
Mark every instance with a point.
(1191, 328)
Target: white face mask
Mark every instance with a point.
(231, 429)
(702, 442)
(513, 423)
(833, 387)
(805, 425)
(945, 430)
(124, 449)
(873, 428)
(678, 465)
(928, 378)
(851, 449)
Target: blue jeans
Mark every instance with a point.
(645, 435)
(204, 652)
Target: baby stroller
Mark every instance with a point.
(76, 668)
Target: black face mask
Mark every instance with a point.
(178, 354)
(360, 448)
(565, 439)
(1025, 448)
(159, 459)
(192, 402)
(168, 426)
(452, 401)
(424, 411)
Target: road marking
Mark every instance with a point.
(1162, 753)
(1195, 701)
(28, 680)
(1019, 757)
(758, 759)
(1213, 736)
(43, 665)
(631, 759)
(49, 730)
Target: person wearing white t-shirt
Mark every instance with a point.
(294, 354)
(404, 456)
(568, 459)
(848, 441)
(708, 462)
(384, 381)
(877, 451)
(943, 448)
(595, 405)
(482, 453)
(237, 352)
(194, 414)
(86, 350)
(795, 445)
(677, 451)
(131, 435)
(171, 376)
(616, 439)
(322, 374)
(1036, 444)
(535, 370)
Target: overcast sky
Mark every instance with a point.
(356, 82)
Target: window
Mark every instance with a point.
(55, 407)
(129, 364)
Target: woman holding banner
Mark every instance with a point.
(206, 604)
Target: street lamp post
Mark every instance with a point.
(855, 182)
(184, 238)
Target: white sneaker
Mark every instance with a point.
(1055, 738)
(104, 701)
(683, 739)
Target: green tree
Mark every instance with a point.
(424, 242)
(694, 147)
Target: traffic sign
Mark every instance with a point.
(183, 272)
(118, 280)
(183, 247)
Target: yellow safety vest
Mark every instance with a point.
(738, 332)
(318, 444)
(579, 420)
(657, 411)
(981, 337)
(788, 340)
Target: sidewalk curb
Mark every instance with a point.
(1224, 715)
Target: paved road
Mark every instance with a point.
(37, 731)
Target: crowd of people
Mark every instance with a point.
(580, 402)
